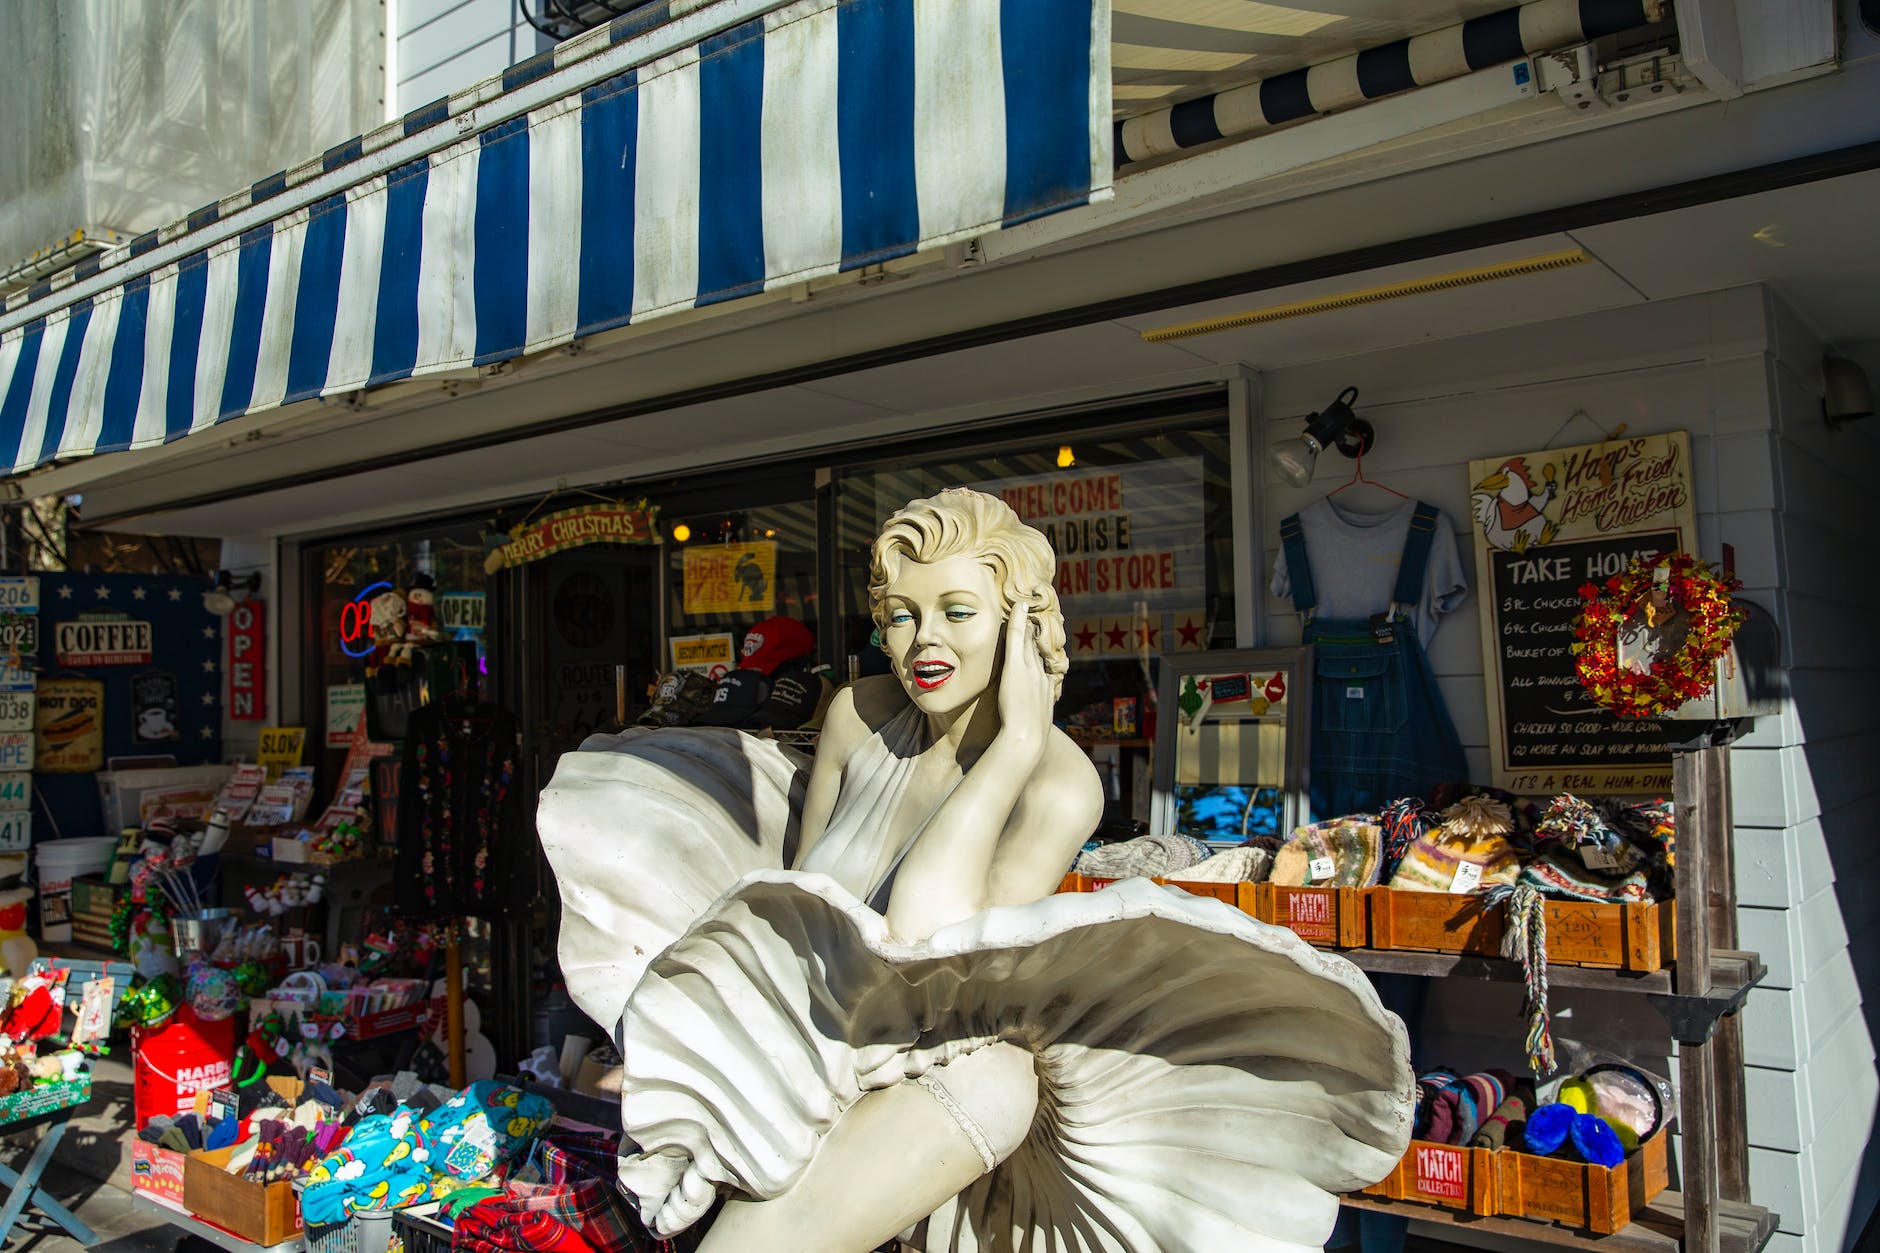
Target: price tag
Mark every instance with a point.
(16, 711)
(1468, 878)
(1323, 868)
(16, 831)
(319, 1074)
(1595, 857)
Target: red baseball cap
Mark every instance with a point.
(774, 641)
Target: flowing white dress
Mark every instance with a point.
(1207, 1082)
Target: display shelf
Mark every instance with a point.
(183, 1220)
(1731, 971)
(1741, 1228)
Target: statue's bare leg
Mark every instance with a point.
(897, 1155)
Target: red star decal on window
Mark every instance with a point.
(1086, 639)
(1190, 633)
(1116, 636)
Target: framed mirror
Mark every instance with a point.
(1232, 729)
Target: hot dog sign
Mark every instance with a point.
(70, 726)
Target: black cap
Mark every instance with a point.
(737, 698)
(795, 695)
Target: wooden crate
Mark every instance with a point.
(1600, 1199)
(263, 1214)
(1579, 933)
(1614, 937)
(1327, 917)
(1239, 895)
(1448, 1175)
(1433, 922)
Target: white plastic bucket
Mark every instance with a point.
(60, 861)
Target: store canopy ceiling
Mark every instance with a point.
(672, 160)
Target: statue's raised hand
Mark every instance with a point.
(1024, 687)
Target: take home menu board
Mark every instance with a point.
(1547, 523)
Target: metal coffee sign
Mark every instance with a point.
(102, 641)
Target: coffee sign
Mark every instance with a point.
(102, 641)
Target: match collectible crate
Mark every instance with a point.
(1600, 1199)
(1625, 936)
(1239, 895)
(1448, 1175)
(1326, 917)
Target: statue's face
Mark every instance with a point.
(944, 624)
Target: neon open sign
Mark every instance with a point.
(355, 620)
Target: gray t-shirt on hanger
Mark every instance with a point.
(1354, 563)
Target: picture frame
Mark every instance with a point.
(1229, 769)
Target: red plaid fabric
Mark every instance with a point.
(579, 1210)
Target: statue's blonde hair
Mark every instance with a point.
(960, 522)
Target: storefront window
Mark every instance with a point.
(729, 570)
(350, 576)
(1142, 525)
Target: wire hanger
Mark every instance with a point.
(1358, 476)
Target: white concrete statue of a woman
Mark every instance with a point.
(907, 1033)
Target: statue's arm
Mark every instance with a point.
(1054, 817)
(843, 729)
(947, 874)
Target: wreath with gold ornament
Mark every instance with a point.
(1650, 638)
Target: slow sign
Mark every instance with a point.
(102, 642)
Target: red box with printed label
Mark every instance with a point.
(1448, 1175)
(157, 1171)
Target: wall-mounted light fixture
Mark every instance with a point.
(229, 590)
(1336, 424)
(1846, 395)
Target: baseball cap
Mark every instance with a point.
(736, 699)
(774, 641)
(681, 697)
(796, 693)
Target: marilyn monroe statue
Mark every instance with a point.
(855, 1009)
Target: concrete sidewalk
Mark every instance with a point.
(90, 1174)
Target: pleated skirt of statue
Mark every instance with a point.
(1205, 1081)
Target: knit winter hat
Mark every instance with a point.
(1151, 856)
(1474, 833)
(1247, 864)
(1502, 1126)
(1560, 872)
(1434, 1120)
(1353, 845)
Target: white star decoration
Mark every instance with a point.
(65, 591)
(208, 733)
(208, 698)
(176, 593)
(104, 593)
(138, 593)
(208, 666)
(208, 633)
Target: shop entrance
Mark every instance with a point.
(578, 637)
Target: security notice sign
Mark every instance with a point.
(102, 641)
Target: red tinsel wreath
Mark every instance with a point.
(1683, 675)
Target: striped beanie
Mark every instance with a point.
(1353, 845)
(1474, 832)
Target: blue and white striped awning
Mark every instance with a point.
(744, 145)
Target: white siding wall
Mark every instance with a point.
(446, 45)
(1734, 371)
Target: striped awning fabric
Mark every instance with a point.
(810, 138)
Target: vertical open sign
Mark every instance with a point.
(247, 663)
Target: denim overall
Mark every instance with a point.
(1380, 729)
